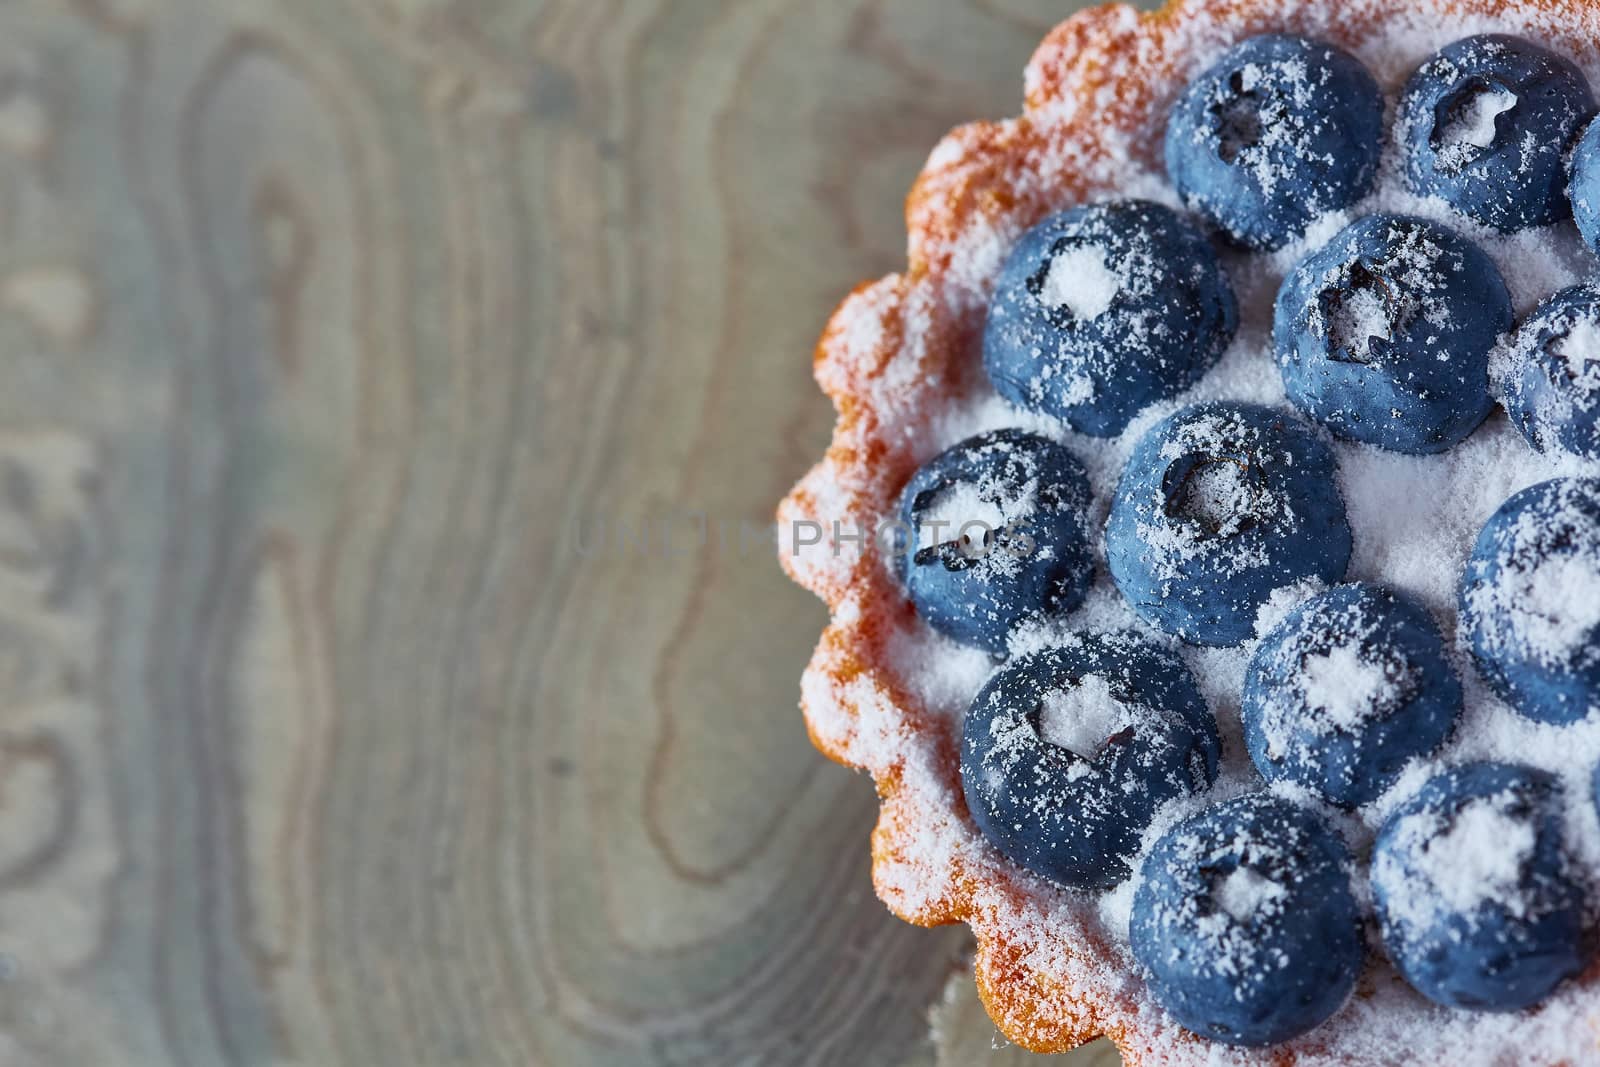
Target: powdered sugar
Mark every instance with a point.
(1243, 894)
(1082, 717)
(1479, 858)
(1282, 601)
(1344, 687)
(1579, 347)
(1080, 281)
(1470, 127)
(1366, 315)
(1218, 495)
(964, 512)
(1559, 609)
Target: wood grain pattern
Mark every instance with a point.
(325, 326)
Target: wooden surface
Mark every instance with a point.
(322, 322)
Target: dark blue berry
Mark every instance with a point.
(1219, 505)
(1584, 191)
(1594, 787)
(1103, 310)
(1549, 375)
(1245, 922)
(1066, 754)
(1530, 600)
(1279, 131)
(997, 536)
(1474, 897)
(1350, 687)
(1485, 125)
(1383, 335)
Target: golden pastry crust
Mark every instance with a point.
(901, 350)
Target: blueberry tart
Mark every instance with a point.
(1211, 537)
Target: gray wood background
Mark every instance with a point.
(321, 324)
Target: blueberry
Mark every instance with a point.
(1066, 754)
(1219, 505)
(1549, 375)
(1351, 686)
(1584, 190)
(1530, 600)
(1594, 787)
(1476, 903)
(1280, 131)
(1383, 335)
(1245, 922)
(1101, 311)
(1485, 124)
(998, 536)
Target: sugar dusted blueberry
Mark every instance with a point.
(1102, 310)
(1383, 335)
(1245, 923)
(1584, 189)
(1548, 376)
(1218, 506)
(1279, 131)
(1067, 752)
(1351, 686)
(1473, 891)
(1530, 600)
(997, 536)
(1485, 125)
(1594, 787)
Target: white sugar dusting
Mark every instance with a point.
(1244, 894)
(1559, 609)
(965, 513)
(1363, 318)
(1473, 124)
(1346, 687)
(1080, 718)
(1579, 348)
(1218, 495)
(1283, 600)
(1080, 281)
(1414, 520)
(1480, 857)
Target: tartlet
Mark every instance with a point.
(899, 361)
